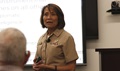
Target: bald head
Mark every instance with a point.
(12, 46)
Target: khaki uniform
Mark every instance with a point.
(59, 50)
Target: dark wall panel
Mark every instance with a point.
(90, 18)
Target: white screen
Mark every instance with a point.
(25, 15)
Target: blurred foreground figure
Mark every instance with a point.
(13, 54)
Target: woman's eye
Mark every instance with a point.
(50, 14)
(53, 13)
(45, 14)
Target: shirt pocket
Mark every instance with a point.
(55, 50)
(39, 49)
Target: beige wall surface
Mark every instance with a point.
(109, 36)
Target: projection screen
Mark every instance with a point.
(25, 15)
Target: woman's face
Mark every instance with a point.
(50, 18)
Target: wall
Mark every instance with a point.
(109, 36)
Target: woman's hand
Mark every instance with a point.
(38, 66)
(35, 67)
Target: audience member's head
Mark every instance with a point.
(13, 48)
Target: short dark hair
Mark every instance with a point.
(59, 12)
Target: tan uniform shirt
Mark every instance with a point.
(59, 50)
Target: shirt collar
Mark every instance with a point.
(57, 32)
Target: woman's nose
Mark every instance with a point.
(49, 16)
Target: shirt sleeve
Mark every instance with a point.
(70, 50)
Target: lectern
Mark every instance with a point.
(109, 59)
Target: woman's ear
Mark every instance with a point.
(27, 55)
